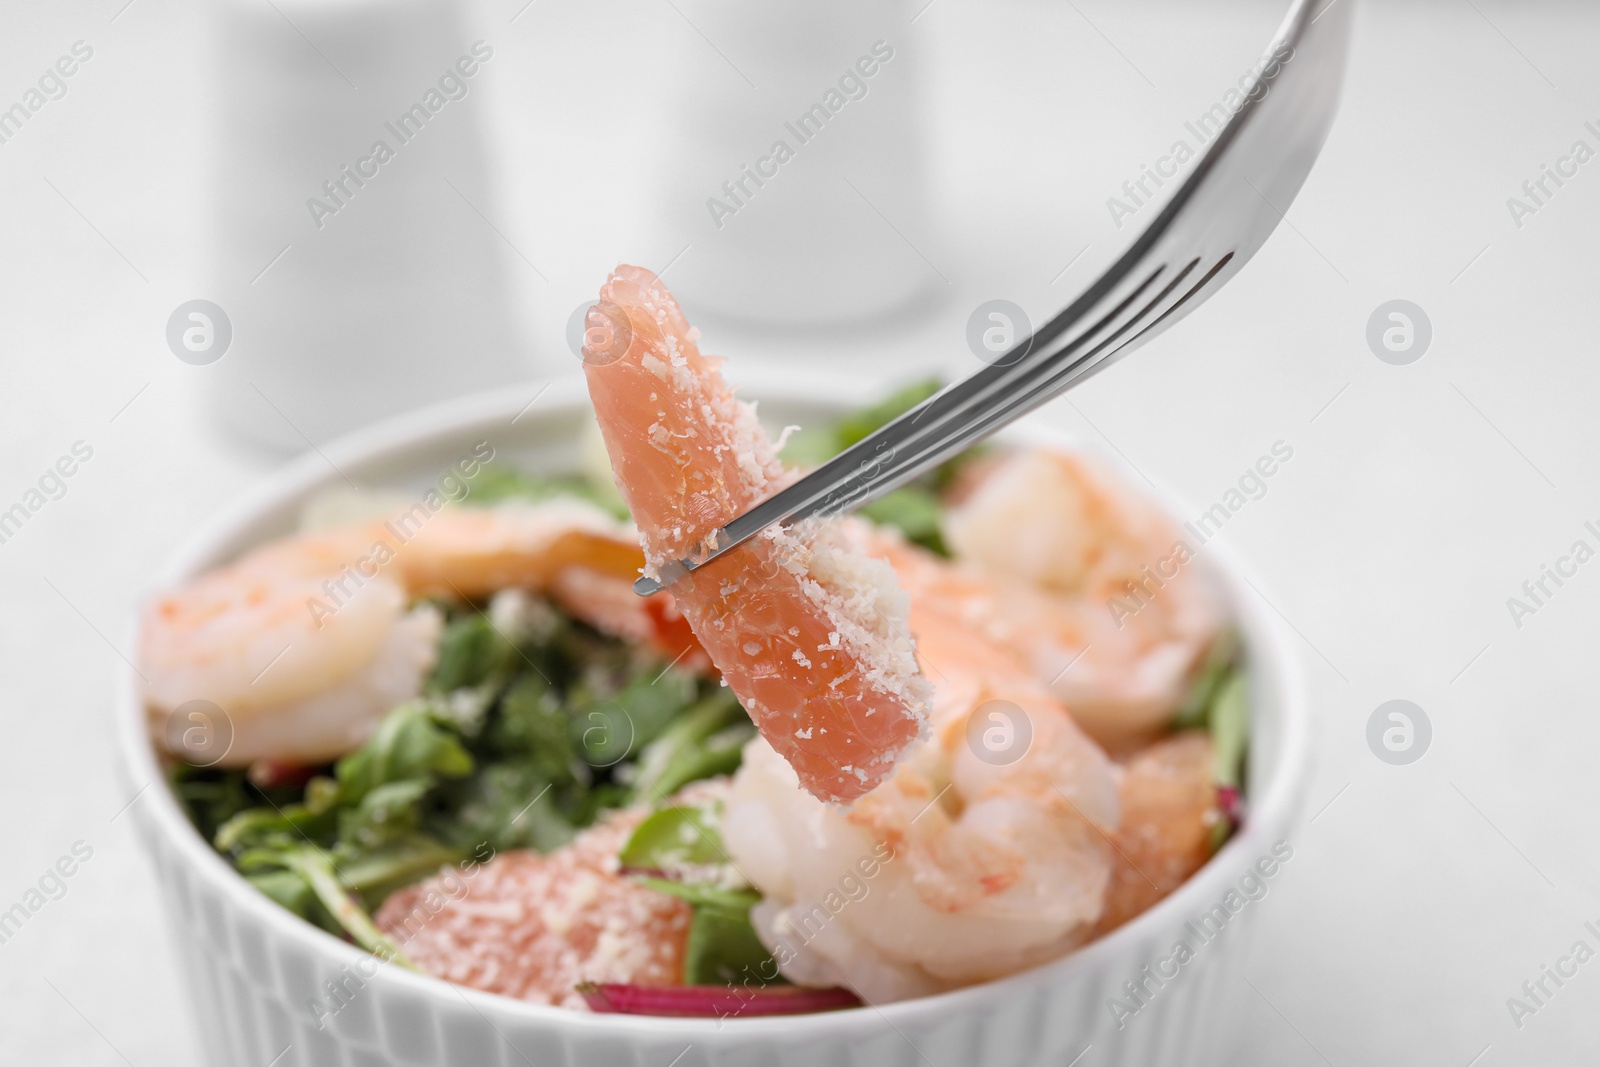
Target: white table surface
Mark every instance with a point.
(1419, 497)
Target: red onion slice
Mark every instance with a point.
(1231, 803)
(715, 1001)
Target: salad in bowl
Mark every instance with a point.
(949, 744)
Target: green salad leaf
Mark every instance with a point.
(509, 804)
(472, 652)
(1230, 730)
(496, 485)
(534, 725)
(386, 812)
(674, 837)
(1219, 703)
(913, 508)
(213, 797)
(530, 726)
(723, 947)
(316, 868)
(289, 823)
(858, 425)
(1221, 662)
(703, 742)
(702, 895)
(612, 722)
(412, 743)
(374, 873)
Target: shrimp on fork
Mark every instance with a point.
(809, 632)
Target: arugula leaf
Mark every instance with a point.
(607, 730)
(914, 511)
(386, 812)
(672, 838)
(814, 445)
(471, 652)
(409, 743)
(289, 890)
(587, 806)
(316, 867)
(532, 724)
(723, 947)
(1230, 730)
(1219, 703)
(212, 796)
(811, 446)
(862, 424)
(913, 508)
(702, 895)
(602, 733)
(497, 484)
(290, 822)
(654, 698)
(377, 872)
(334, 887)
(508, 804)
(1220, 664)
(704, 741)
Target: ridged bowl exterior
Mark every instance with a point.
(255, 971)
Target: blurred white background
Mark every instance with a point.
(175, 165)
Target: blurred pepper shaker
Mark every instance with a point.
(351, 241)
(799, 175)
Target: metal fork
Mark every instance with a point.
(1221, 214)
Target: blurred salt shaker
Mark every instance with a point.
(351, 241)
(799, 157)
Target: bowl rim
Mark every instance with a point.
(1273, 803)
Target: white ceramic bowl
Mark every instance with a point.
(254, 968)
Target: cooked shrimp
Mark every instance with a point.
(808, 632)
(294, 687)
(482, 550)
(965, 865)
(533, 927)
(1095, 588)
(307, 642)
(1169, 807)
